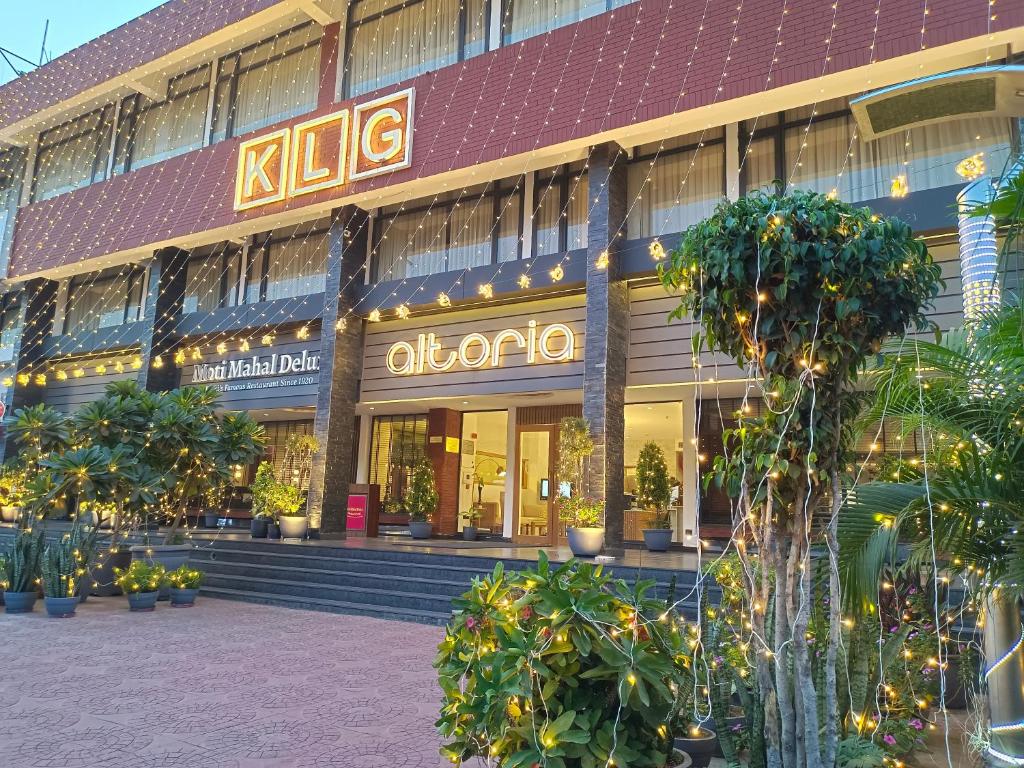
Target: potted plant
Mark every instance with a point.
(63, 570)
(421, 500)
(698, 742)
(652, 494)
(12, 489)
(141, 583)
(23, 565)
(469, 530)
(300, 448)
(583, 516)
(258, 524)
(526, 682)
(280, 502)
(184, 583)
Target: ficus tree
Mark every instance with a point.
(800, 291)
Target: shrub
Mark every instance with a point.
(184, 578)
(580, 511)
(24, 561)
(140, 576)
(559, 667)
(652, 487)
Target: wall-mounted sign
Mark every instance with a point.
(248, 369)
(555, 343)
(326, 151)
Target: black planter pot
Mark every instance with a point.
(258, 528)
(210, 519)
(470, 533)
(102, 575)
(273, 531)
(700, 748)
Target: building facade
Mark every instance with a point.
(432, 228)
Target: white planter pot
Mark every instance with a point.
(585, 542)
(9, 514)
(293, 526)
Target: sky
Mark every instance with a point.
(72, 22)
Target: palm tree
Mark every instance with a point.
(963, 506)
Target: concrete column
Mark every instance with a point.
(508, 513)
(444, 432)
(732, 161)
(607, 335)
(35, 318)
(341, 361)
(165, 293)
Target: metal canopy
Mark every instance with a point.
(992, 91)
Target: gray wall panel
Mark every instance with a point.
(69, 394)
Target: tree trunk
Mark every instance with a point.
(835, 626)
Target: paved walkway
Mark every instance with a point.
(221, 684)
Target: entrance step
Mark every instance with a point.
(400, 583)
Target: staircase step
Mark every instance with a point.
(360, 595)
(419, 616)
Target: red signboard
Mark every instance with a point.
(355, 518)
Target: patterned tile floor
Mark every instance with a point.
(221, 684)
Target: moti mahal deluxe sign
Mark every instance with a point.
(555, 343)
(256, 367)
(326, 151)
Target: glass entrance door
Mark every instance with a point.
(535, 521)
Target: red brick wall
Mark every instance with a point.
(445, 423)
(166, 28)
(573, 83)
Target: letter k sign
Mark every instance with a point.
(262, 170)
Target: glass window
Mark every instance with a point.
(276, 451)
(662, 424)
(292, 262)
(150, 131)
(674, 189)
(561, 211)
(483, 467)
(528, 18)
(73, 155)
(827, 153)
(456, 231)
(9, 329)
(268, 82)
(392, 41)
(211, 281)
(396, 444)
(104, 301)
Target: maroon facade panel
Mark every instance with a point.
(163, 30)
(635, 64)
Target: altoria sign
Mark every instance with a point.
(256, 367)
(326, 151)
(556, 343)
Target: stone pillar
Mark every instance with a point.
(164, 296)
(36, 305)
(444, 431)
(341, 363)
(607, 335)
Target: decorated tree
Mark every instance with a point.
(652, 487)
(421, 499)
(799, 290)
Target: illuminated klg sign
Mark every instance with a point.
(326, 151)
(556, 343)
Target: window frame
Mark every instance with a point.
(126, 130)
(135, 279)
(237, 70)
(259, 257)
(562, 174)
(351, 27)
(104, 114)
(497, 191)
(223, 253)
(508, 6)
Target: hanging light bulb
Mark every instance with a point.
(557, 273)
(79, 372)
(602, 260)
(222, 347)
(374, 316)
(61, 375)
(41, 379)
(833, 194)
(100, 369)
(119, 367)
(302, 333)
(179, 357)
(443, 299)
(524, 281)
(486, 290)
(136, 362)
(657, 250)
(7, 381)
(899, 187)
(244, 346)
(341, 325)
(268, 340)
(403, 311)
(196, 354)
(972, 167)
(24, 379)
(158, 362)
